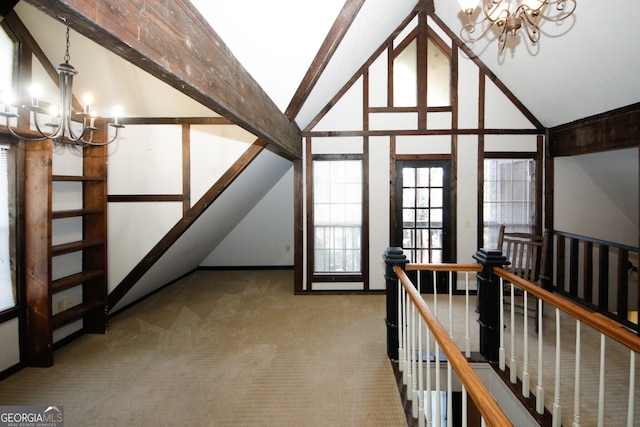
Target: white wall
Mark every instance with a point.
(346, 115)
(265, 236)
(596, 195)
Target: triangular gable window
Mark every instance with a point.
(405, 76)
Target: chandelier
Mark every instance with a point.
(62, 115)
(511, 15)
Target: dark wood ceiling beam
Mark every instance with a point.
(327, 49)
(173, 42)
(6, 7)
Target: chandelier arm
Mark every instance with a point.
(52, 135)
(24, 137)
(531, 28)
(113, 125)
(563, 11)
(470, 29)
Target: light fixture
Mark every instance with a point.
(511, 15)
(62, 115)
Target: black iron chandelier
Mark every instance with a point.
(62, 115)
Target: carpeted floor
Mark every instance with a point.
(225, 349)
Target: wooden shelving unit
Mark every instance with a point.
(40, 253)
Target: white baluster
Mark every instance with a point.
(438, 399)
(557, 409)
(405, 347)
(414, 361)
(601, 389)
(632, 388)
(483, 423)
(410, 350)
(512, 361)
(449, 396)
(429, 389)
(435, 296)
(540, 388)
(576, 387)
(400, 328)
(420, 371)
(467, 340)
(525, 363)
(501, 351)
(465, 412)
(451, 304)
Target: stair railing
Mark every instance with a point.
(414, 355)
(607, 329)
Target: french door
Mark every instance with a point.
(423, 215)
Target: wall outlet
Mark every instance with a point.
(68, 303)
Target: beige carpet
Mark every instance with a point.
(225, 349)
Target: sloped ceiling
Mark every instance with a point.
(583, 67)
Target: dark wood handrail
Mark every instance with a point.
(486, 404)
(600, 323)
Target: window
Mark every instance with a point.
(7, 288)
(509, 197)
(7, 53)
(337, 215)
(405, 76)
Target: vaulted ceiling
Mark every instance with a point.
(587, 65)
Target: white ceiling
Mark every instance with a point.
(590, 69)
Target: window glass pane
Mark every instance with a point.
(7, 53)
(438, 77)
(7, 289)
(422, 198)
(407, 238)
(437, 177)
(337, 215)
(423, 177)
(408, 177)
(509, 197)
(408, 217)
(405, 82)
(408, 197)
(437, 198)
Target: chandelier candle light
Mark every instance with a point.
(511, 15)
(62, 115)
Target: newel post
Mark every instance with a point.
(489, 294)
(392, 256)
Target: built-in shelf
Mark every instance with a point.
(67, 248)
(75, 313)
(76, 178)
(74, 280)
(75, 213)
(91, 300)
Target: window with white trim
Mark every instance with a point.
(337, 215)
(7, 287)
(509, 197)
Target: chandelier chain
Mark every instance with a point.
(67, 57)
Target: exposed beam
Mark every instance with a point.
(612, 130)
(6, 7)
(173, 42)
